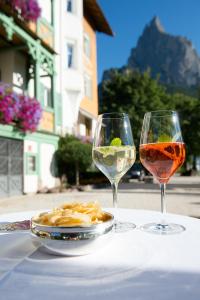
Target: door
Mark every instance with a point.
(11, 167)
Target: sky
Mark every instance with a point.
(128, 18)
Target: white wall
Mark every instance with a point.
(69, 83)
(46, 155)
(94, 122)
(71, 101)
(32, 182)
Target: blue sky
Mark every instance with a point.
(128, 19)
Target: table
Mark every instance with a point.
(134, 265)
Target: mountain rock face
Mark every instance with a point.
(173, 58)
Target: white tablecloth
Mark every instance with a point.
(134, 265)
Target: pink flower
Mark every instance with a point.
(23, 111)
(28, 9)
(29, 115)
(9, 104)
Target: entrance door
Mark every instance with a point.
(11, 167)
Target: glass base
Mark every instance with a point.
(163, 228)
(123, 226)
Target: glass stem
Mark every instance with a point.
(114, 186)
(163, 203)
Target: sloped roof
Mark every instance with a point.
(93, 12)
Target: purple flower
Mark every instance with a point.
(28, 9)
(23, 111)
(29, 115)
(9, 106)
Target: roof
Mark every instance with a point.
(93, 12)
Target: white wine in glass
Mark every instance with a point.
(114, 152)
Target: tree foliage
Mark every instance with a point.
(73, 156)
(189, 112)
(137, 93)
(134, 93)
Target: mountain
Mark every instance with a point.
(172, 58)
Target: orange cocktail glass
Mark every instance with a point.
(162, 159)
(162, 152)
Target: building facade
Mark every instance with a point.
(27, 62)
(53, 60)
(76, 24)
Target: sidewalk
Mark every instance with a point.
(183, 197)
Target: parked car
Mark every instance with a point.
(137, 171)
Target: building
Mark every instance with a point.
(27, 58)
(53, 60)
(75, 42)
(93, 21)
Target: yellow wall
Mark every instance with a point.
(47, 121)
(90, 67)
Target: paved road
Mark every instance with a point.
(183, 197)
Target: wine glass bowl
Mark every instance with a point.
(113, 148)
(162, 159)
(162, 152)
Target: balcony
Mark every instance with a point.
(41, 29)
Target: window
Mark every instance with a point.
(31, 164)
(70, 55)
(88, 86)
(46, 9)
(46, 90)
(86, 45)
(69, 6)
(47, 97)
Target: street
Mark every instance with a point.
(182, 197)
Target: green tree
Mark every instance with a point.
(134, 93)
(73, 156)
(137, 93)
(189, 111)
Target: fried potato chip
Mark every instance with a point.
(73, 214)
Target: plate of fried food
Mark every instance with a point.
(72, 229)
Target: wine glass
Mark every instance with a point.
(114, 152)
(162, 152)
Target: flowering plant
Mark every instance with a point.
(29, 114)
(9, 104)
(28, 9)
(22, 111)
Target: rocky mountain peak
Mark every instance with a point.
(173, 58)
(155, 24)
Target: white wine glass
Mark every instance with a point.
(162, 152)
(114, 152)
